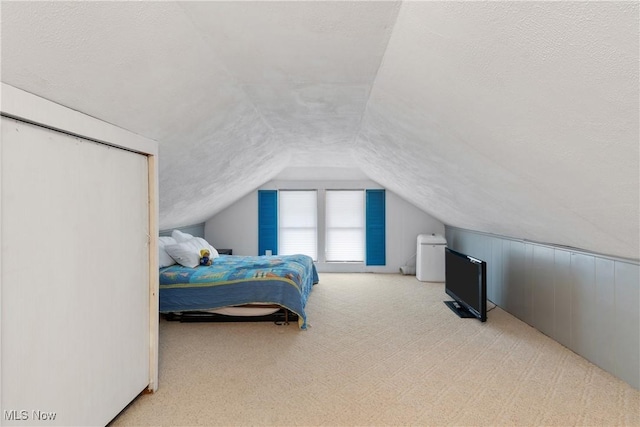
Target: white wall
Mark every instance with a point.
(237, 226)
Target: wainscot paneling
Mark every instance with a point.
(587, 302)
(627, 323)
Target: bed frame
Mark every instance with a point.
(280, 317)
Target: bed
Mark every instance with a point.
(231, 281)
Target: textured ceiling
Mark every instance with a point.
(514, 118)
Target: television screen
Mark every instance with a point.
(466, 283)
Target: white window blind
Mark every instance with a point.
(345, 225)
(298, 219)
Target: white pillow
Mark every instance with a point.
(180, 236)
(166, 240)
(188, 253)
(164, 259)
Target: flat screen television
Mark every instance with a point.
(466, 283)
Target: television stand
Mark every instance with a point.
(459, 310)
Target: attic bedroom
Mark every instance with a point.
(511, 130)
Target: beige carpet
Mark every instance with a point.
(380, 350)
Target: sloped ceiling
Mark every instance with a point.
(514, 118)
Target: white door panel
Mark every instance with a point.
(75, 277)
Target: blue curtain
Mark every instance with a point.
(267, 221)
(375, 228)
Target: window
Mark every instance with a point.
(345, 225)
(351, 224)
(298, 216)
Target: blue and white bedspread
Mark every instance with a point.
(232, 280)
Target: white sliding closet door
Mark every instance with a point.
(75, 277)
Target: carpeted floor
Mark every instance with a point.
(381, 349)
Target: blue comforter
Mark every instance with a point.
(231, 280)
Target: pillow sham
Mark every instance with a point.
(187, 253)
(181, 236)
(166, 240)
(164, 259)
